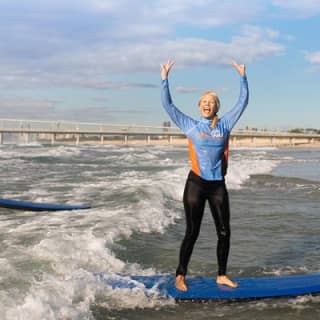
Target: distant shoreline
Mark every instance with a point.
(133, 137)
(245, 143)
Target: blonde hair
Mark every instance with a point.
(214, 121)
(217, 105)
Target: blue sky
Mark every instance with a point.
(98, 60)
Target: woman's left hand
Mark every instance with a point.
(240, 68)
(165, 69)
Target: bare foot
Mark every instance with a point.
(226, 281)
(180, 283)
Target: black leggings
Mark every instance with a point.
(196, 192)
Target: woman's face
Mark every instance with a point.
(208, 106)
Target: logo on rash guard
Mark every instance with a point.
(217, 134)
(213, 135)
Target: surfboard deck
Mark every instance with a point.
(203, 289)
(37, 206)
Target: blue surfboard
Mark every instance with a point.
(203, 289)
(37, 206)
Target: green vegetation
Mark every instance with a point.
(308, 130)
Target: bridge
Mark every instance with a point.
(71, 132)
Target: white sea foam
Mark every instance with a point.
(83, 241)
(69, 291)
(74, 246)
(32, 151)
(7, 269)
(241, 168)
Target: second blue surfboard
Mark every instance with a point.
(37, 206)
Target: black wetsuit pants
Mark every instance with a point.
(196, 192)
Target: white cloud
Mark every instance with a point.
(89, 80)
(251, 45)
(82, 43)
(301, 8)
(84, 22)
(181, 89)
(90, 66)
(108, 85)
(313, 58)
(45, 109)
(221, 13)
(26, 108)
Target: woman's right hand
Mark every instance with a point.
(241, 68)
(165, 69)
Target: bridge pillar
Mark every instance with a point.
(292, 141)
(26, 137)
(1, 138)
(77, 139)
(148, 139)
(53, 138)
(101, 139)
(170, 139)
(125, 139)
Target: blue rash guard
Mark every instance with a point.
(208, 147)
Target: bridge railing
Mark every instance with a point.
(63, 125)
(77, 127)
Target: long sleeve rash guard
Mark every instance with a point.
(208, 148)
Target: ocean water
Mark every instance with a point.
(49, 261)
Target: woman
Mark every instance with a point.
(208, 147)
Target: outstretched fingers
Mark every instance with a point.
(240, 68)
(165, 69)
(168, 65)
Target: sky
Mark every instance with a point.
(98, 60)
